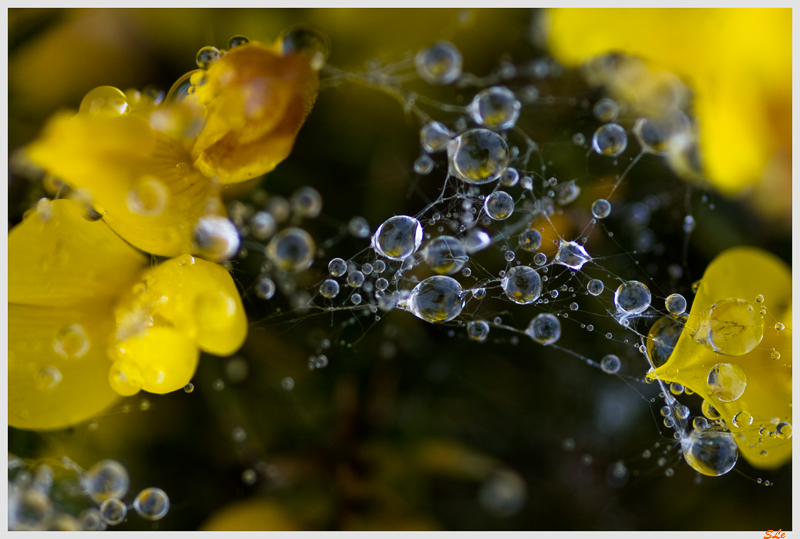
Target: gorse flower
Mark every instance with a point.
(735, 351)
(154, 166)
(88, 321)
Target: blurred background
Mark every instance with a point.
(413, 425)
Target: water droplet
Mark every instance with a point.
(478, 330)
(398, 237)
(48, 379)
(566, 192)
(287, 384)
(151, 503)
(291, 249)
(610, 364)
(544, 329)
(710, 452)
(104, 101)
(329, 288)
(742, 419)
(700, 423)
(148, 197)
(207, 56)
(784, 430)
(601, 208)
(113, 511)
(539, 259)
(495, 108)
(606, 110)
(434, 137)
(731, 327)
(71, 342)
(358, 227)
(726, 381)
(477, 156)
(610, 140)
(306, 202)
(571, 255)
(189, 387)
(509, 178)
(522, 285)
(265, 288)
(655, 134)
(663, 337)
(595, 287)
(237, 41)
(262, 225)
(445, 255)
(307, 40)
(498, 205)
(530, 240)
(632, 297)
(436, 299)
(439, 64)
(676, 304)
(107, 479)
(423, 165)
(216, 238)
(355, 279)
(91, 520)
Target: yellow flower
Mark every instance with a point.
(89, 320)
(154, 168)
(738, 63)
(738, 357)
(256, 101)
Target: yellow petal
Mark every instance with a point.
(257, 101)
(140, 180)
(64, 275)
(737, 61)
(196, 298)
(166, 361)
(743, 273)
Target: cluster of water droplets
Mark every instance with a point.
(51, 494)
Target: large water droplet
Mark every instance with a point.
(445, 255)
(732, 327)
(104, 101)
(522, 284)
(495, 108)
(436, 299)
(710, 452)
(478, 156)
(398, 237)
(727, 381)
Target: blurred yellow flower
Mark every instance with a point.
(89, 321)
(738, 63)
(154, 166)
(737, 356)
